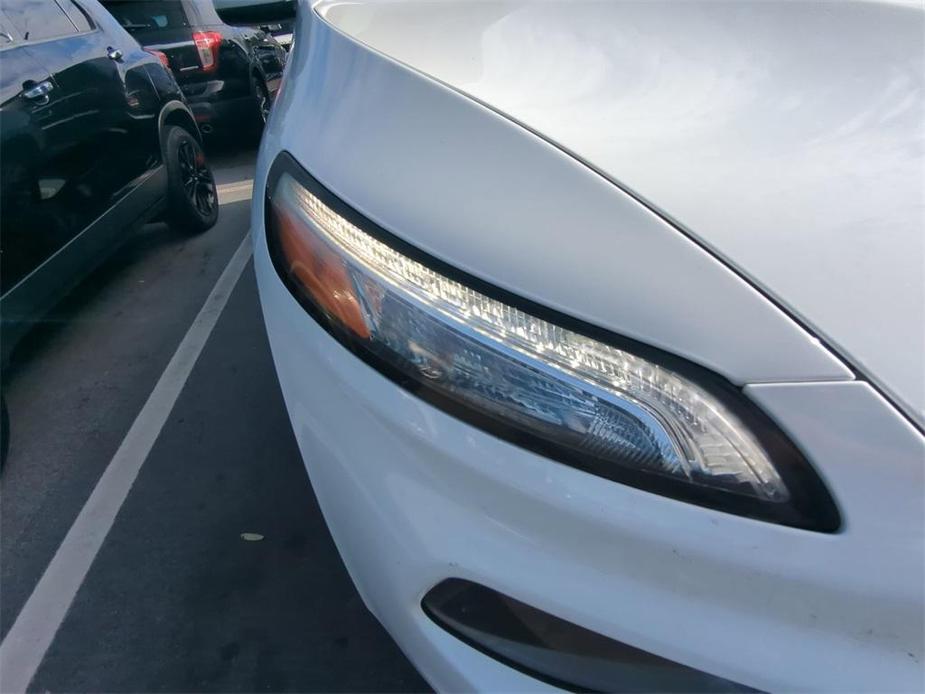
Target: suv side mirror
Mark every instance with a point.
(255, 12)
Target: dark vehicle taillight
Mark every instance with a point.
(165, 61)
(207, 43)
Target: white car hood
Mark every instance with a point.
(786, 137)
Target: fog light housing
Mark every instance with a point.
(573, 393)
(555, 651)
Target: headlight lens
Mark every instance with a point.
(609, 411)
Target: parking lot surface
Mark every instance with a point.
(219, 573)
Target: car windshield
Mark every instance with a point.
(148, 15)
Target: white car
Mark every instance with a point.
(600, 327)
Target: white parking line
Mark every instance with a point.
(29, 638)
(235, 192)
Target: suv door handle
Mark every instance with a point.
(113, 53)
(39, 92)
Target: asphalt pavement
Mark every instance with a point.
(218, 573)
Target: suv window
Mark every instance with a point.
(36, 20)
(142, 16)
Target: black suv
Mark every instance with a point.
(95, 138)
(230, 75)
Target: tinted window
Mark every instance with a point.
(148, 15)
(38, 19)
(78, 15)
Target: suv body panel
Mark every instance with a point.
(64, 207)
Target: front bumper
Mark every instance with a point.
(413, 496)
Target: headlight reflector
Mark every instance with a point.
(569, 396)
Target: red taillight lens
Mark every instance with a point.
(160, 56)
(207, 43)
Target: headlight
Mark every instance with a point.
(628, 414)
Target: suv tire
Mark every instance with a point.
(192, 199)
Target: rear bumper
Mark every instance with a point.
(413, 497)
(218, 105)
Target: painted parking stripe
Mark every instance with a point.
(235, 192)
(27, 641)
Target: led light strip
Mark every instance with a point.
(621, 373)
